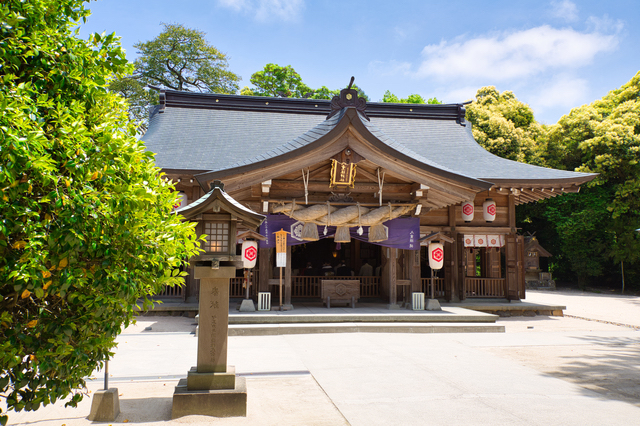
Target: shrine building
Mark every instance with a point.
(361, 188)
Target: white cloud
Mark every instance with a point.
(459, 94)
(563, 91)
(564, 9)
(389, 68)
(513, 55)
(605, 24)
(267, 10)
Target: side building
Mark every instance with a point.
(356, 183)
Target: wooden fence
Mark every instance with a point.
(310, 286)
(174, 292)
(484, 287)
(439, 289)
(369, 287)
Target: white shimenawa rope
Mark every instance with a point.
(306, 186)
(380, 185)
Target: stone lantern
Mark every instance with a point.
(212, 388)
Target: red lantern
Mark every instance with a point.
(436, 255)
(489, 210)
(467, 211)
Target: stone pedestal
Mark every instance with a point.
(105, 405)
(211, 388)
(247, 306)
(433, 305)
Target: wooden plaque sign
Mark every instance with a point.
(343, 174)
(281, 248)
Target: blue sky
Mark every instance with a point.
(554, 55)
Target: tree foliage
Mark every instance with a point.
(278, 81)
(179, 58)
(505, 126)
(138, 97)
(411, 99)
(604, 137)
(86, 226)
(592, 232)
(284, 82)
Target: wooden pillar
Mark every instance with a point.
(414, 270)
(356, 261)
(287, 281)
(493, 262)
(521, 271)
(452, 276)
(512, 213)
(461, 267)
(264, 266)
(511, 279)
(392, 269)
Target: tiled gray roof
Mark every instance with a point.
(453, 147)
(302, 140)
(217, 139)
(205, 139)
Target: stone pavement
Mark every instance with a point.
(541, 371)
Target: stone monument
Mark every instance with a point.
(212, 387)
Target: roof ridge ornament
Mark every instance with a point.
(348, 98)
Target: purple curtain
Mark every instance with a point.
(404, 233)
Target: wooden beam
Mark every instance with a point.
(323, 186)
(315, 172)
(362, 172)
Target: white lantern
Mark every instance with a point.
(249, 253)
(436, 255)
(181, 202)
(467, 211)
(489, 210)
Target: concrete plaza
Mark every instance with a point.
(581, 369)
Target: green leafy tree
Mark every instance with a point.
(278, 81)
(595, 230)
(411, 99)
(86, 225)
(138, 97)
(505, 126)
(604, 138)
(180, 58)
(284, 82)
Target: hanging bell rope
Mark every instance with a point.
(360, 231)
(328, 217)
(380, 185)
(305, 181)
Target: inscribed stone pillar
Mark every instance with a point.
(214, 320)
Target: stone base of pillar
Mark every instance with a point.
(215, 403)
(393, 306)
(105, 406)
(211, 381)
(432, 305)
(247, 306)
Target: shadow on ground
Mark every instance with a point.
(608, 365)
